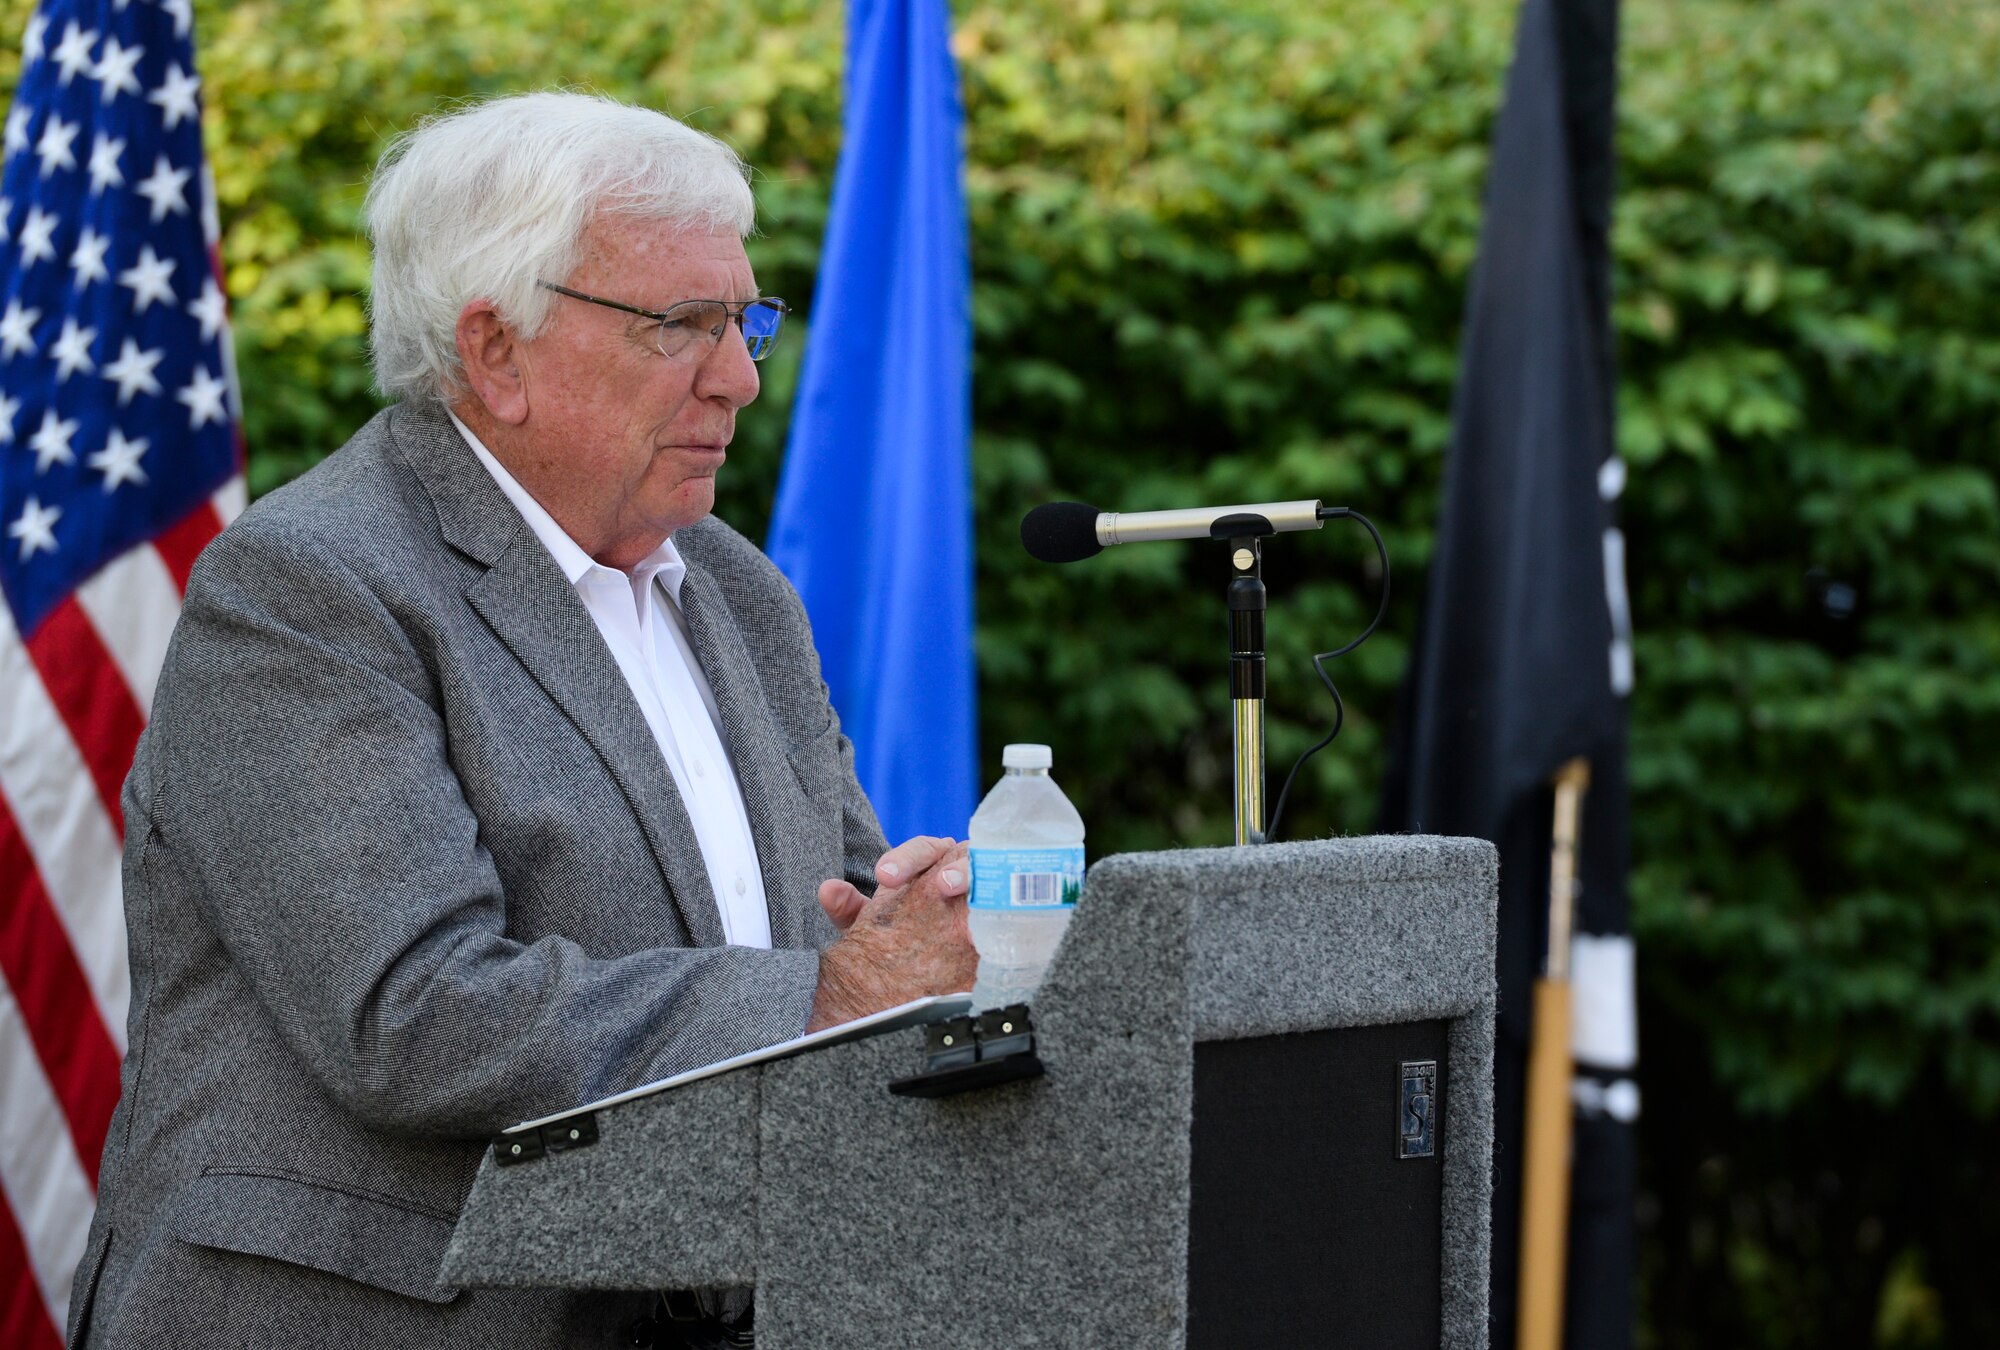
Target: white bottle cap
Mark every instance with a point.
(1026, 757)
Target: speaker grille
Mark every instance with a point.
(1306, 1227)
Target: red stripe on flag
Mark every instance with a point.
(24, 1317)
(183, 543)
(95, 702)
(63, 1019)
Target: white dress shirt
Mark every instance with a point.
(639, 615)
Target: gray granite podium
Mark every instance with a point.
(1266, 1119)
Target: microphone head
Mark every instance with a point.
(1061, 532)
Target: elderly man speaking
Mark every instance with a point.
(488, 773)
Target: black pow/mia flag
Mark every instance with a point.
(1524, 656)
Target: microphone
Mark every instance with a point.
(1065, 532)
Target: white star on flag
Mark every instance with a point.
(17, 128)
(6, 217)
(148, 279)
(176, 95)
(71, 351)
(31, 41)
(183, 15)
(17, 330)
(36, 232)
(212, 309)
(36, 528)
(203, 396)
(51, 441)
(54, 147)
(114, 69)
(8, 407)
(73, 52)
(132, 372)
(165, 189)
(104, 170)
(118, 461)
(88, 259)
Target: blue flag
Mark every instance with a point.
(873, 522)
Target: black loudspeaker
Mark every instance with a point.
(1317, 1190)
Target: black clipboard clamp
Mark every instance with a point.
(578, 1131)
(998, 1046)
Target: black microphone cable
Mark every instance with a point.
(1319, 660)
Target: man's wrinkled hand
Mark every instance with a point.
(842, 901)
(912, 938)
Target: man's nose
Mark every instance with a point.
(728, 372)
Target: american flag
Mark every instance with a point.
(119, 460)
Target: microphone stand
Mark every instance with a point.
(1065, 532)
(1246, 665)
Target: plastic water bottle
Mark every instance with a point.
(1027, 871)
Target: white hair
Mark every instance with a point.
(487, 201)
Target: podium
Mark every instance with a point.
(1266, 1118)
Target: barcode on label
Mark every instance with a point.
(1036, 888)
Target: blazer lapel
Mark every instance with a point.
(526, 601)
(531, 607)
(757, 750)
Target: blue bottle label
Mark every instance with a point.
(1026, 878)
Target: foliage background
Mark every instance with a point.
(1220, 252)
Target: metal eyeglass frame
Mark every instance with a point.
(734, 308)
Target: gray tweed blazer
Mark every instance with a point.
(403, 865)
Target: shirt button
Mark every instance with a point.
(741, 885)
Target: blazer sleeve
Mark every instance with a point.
(303, 797)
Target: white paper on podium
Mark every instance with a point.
(917, 1012)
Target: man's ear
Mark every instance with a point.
(492, 358)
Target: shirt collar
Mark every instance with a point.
(664, 562)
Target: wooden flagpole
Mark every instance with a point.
(1546, 1157)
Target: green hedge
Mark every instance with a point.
(1809, 250)
(1220, 253)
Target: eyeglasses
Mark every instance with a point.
(690, 330)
